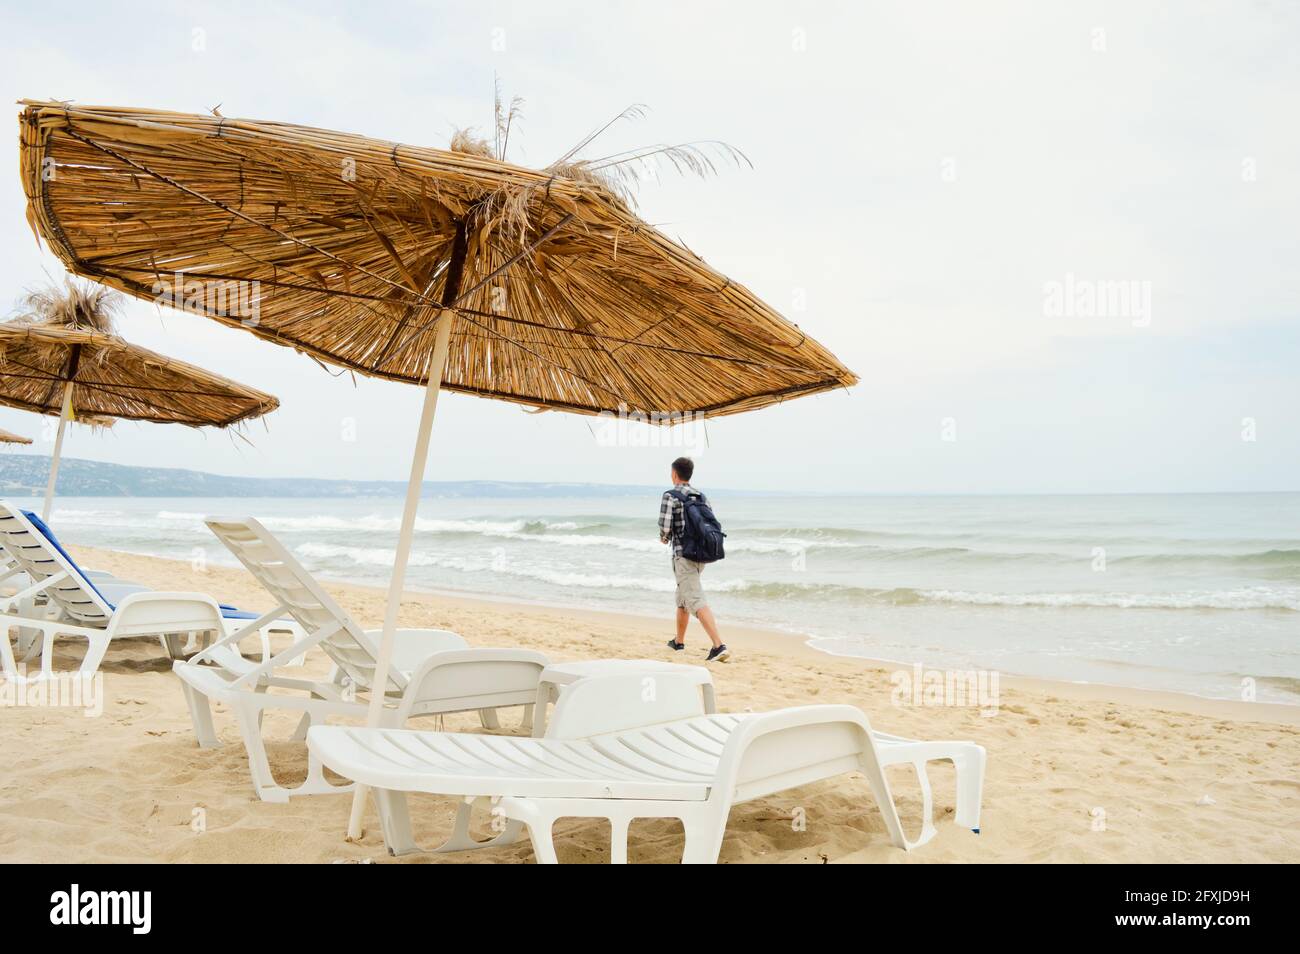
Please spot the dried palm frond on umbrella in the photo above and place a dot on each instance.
(448, 268)
(9, 437)
(62, 357)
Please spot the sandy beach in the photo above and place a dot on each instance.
(1075, 773)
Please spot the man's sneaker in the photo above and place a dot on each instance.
(674, 644)
(719, 653)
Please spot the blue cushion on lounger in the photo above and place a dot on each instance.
(229, 612)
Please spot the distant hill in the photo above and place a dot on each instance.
(24, 475)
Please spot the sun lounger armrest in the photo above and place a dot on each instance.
(601, 705)
(412, 646)
(459, 680)
(790, 747)
(149, 614)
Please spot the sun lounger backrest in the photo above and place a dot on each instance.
(302, 597)
(600, 705)
(37, 552)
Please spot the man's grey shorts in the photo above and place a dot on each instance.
(690, 592)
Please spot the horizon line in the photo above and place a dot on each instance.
(634, 487)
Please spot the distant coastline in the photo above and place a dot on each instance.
(24, 475)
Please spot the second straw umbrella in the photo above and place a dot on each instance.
(62, 357)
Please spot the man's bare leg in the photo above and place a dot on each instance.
(683, 618)
(705, 616)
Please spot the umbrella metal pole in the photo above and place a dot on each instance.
(379, 682)
(64, 414)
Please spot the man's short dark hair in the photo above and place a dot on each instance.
(684, 467)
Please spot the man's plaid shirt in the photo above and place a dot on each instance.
(671, 519)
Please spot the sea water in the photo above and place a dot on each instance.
(1192, 593)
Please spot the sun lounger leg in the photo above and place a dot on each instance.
(513, 831)
(29, 642)
(704, 833)
(201, 716)
(10, 666)
(47, 654)
(248, 711)
(527, 724)
(530, 813)
(545, 696)
(261, 689)
(29, 637)
(489, 718)
(927, 802)
(461, 839)
(540, 834)
(95, 649)
(316, 782)
(885, 802)
(259, 766)
(969, 761)
(395, 821)
(300, 733)
(618, 826)
(970, 786)
(182, 645)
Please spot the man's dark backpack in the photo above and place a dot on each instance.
(701, 533)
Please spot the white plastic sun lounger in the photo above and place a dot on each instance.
(609, 753)
(13, 582)
(432, 672)
(96, 610)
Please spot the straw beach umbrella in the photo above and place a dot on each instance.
(446, 268)
(63, 358)
(9, 437)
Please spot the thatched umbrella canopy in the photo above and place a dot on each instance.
(563, 297)
(9, 437)
(116, 380)
(62, 357)
(453, 268)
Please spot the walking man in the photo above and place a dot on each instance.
(700, 536)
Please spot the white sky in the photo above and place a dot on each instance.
(921, 170)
